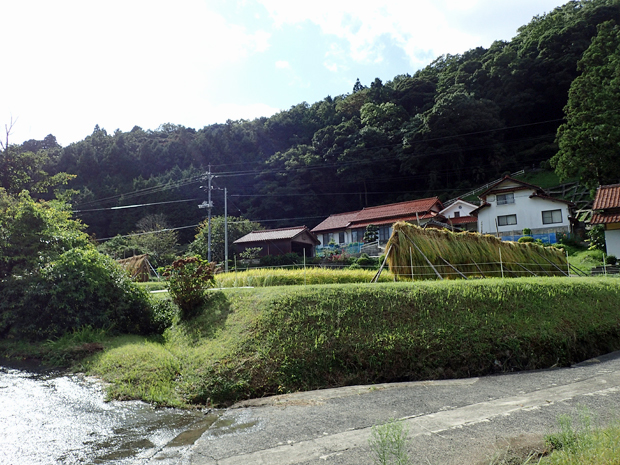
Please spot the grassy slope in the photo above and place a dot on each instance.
(256, 342)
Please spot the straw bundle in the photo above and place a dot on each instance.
(455, 255)
(137, 267)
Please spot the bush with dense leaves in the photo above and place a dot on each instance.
(188, 278)
(80, 288)
(281, 260)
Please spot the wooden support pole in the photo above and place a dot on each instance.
(452, 266)
(556, 267)
(425, 257)
(479, 270)
(376, 278)
(529, 271)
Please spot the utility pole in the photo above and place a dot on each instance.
(208, 205)
(226, 230)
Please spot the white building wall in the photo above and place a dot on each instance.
(612, 242)
(528, 211)
(464, 209)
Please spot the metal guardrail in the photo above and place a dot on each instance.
(480, 189)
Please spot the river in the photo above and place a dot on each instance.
(47, 417)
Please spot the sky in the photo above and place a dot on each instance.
(70, 65)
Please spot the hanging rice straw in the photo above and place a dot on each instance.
(418, 252)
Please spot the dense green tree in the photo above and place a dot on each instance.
(21, 170)
(589, 141)
(155, 237)
(237, 228)
(458, 134)
(34, 233)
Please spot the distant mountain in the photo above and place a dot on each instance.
(460, 122)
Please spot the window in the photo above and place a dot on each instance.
(357, 235)
(503, 199)
(506, 220)
(552, 216)
(384, 233)
(341, 237)
(457, 214)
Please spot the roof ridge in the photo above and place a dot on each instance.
(400, 203)
(278, 229)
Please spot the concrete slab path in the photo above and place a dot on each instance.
(464, 421)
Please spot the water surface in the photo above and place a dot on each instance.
(49, 417)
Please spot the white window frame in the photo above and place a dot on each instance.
(554, 219)
(505, 219)
(505, 199)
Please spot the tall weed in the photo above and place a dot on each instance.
(388, 443)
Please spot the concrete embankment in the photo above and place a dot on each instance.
(462, 421)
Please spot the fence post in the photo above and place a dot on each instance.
(411, 261)
(304, 266)
(501, 264)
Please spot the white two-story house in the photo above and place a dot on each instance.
(510, 205)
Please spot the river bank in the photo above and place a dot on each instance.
(251, 343)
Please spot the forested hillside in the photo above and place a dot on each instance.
(460, 122)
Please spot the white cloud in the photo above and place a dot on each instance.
(423, 29)
(283, 64)
(74, 64)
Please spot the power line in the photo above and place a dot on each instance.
(197, 225)
(122, 207)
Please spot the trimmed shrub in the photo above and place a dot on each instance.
(611, 260)
(365, 261)
(523, 239)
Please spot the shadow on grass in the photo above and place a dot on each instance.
(210, 320)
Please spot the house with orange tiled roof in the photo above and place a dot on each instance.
(607, 212)
(297, 239)
(349, 227)
(510, 205)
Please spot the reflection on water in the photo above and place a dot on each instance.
(47, 418)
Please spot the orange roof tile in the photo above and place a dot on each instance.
(605, 218)
(382, 214)
(607, 197)
(396, 210)
(409, 218)
(463, 220)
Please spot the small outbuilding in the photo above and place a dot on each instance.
(607, 212)
(138, 267)
(281, 241)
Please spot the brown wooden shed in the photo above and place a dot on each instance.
(280, 241)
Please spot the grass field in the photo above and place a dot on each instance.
(262, 341)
